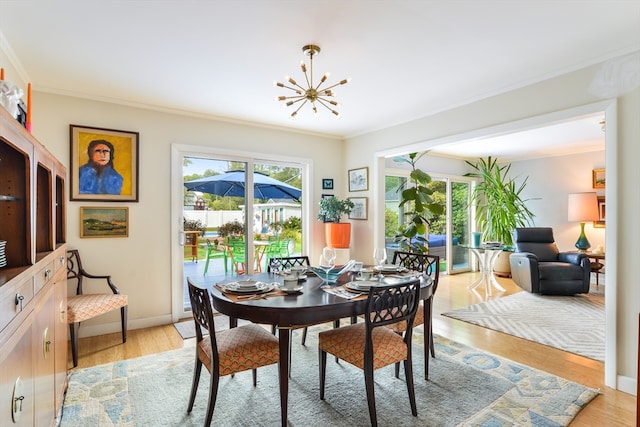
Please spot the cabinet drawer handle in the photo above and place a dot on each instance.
(47, 274)
(61, 259)
(18, 398)
(19, 301)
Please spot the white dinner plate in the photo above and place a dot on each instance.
(247, 284)
(236, 287)
(362, 285)
(290, 291)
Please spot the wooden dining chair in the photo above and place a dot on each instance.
(84, 306)
(429, 265)
(369, 345)
(278, 264)
(225, 352)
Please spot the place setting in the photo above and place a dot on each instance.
(249, 289)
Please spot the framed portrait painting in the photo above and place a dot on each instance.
(359, 179)
(104, 164)
(104, 222)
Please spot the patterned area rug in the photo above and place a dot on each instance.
(466, 387)
(574, 324)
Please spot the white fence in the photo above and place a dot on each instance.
(214, 218)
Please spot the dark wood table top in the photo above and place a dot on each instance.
(311, 305)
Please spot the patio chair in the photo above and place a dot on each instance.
(429, 265)
(83, 306)
(215, 251)
(238, 254)
(370, 345)
(277, 249)
(225, 352)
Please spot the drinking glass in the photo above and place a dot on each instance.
(326, 263)
(380, 256)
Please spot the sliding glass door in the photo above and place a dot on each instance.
(447, 231)
(231, 210)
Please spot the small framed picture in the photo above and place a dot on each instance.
(324, 196)
(359, 210)
(598, 178)
(104, 222)
(600, 223)
(359, 179)
(104, 164)
(327, 183)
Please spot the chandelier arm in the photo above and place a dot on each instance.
(299, 107)
(341, 82)
(322, 102)
(296, 100)
(290, 88)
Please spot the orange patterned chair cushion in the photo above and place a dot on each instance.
(88, 306)
(402, 326)
(242, 348)
(347, 343)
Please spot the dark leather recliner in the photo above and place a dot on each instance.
(538, 267)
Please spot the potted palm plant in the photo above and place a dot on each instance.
(337, 234)
(500, 207)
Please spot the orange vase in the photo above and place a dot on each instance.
(337, 234)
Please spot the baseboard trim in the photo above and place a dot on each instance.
(114, 327)
(628, 385)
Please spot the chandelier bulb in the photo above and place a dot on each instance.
(303, 66)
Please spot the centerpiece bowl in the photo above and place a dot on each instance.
(334, 273)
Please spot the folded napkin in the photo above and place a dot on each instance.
(344, 293)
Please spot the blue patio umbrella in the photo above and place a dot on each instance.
(231, 183)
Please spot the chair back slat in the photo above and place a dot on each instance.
(392, 303)
(74, 269)
(202, 313)
(429, 265)
(283, 263)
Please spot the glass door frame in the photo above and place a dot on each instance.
(178, 153)
(448, 179)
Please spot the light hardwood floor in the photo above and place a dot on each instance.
(611, 408)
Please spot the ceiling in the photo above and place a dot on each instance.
(406, 58)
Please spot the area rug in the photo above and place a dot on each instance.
(574, 323)
(466, 387)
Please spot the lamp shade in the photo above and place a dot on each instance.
(583, 207)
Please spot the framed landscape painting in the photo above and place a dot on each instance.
(359, 179)
(103, 164)
(359, 210)
(598, 178)
(104, 222)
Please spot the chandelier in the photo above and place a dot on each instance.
(313, 94)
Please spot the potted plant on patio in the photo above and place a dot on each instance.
(500, 207)
(337, 234)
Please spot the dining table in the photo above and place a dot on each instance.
(311, 305)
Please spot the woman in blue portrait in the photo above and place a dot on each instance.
(98, 176)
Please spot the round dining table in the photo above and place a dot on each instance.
(312, 305)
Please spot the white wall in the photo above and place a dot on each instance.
(550, 181)
(141, 263)
(570, 91)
